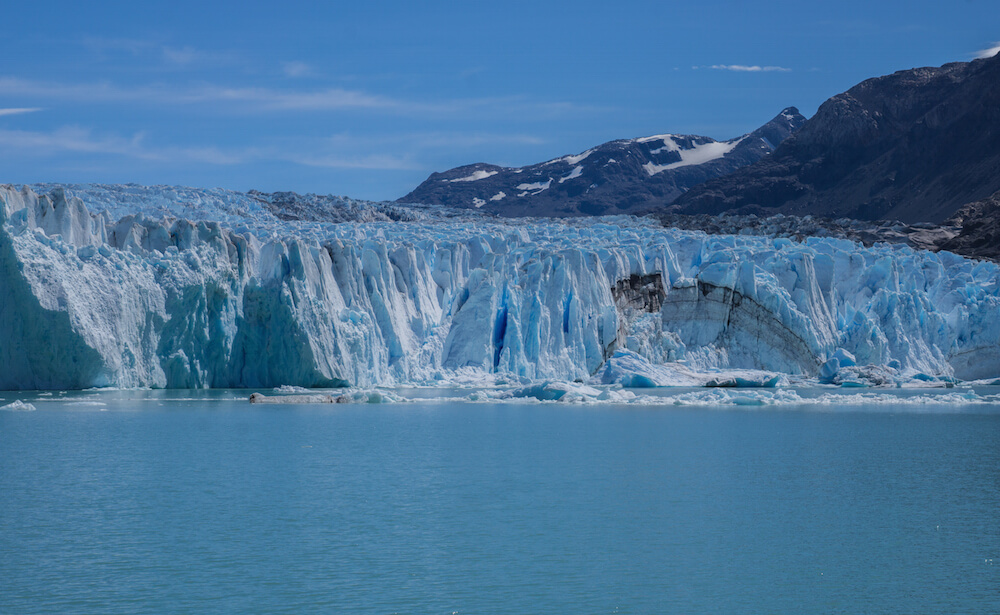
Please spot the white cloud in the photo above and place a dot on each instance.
(71, 139)
(375, 161)
(743, 68)
(454, 140)
(396, 152)
(259, 99)
(990, 52)
(76, 140)
(331, 99)
(263, 98)
(19, 110)
(296, 69)
(161, 54)
(182, 56)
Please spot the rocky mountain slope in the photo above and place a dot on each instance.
(624, 176)
(914, 146)
(980, 230)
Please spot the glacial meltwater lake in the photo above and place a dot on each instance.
(199, 502)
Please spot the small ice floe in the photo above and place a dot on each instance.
(745, 379)
(358, 396)
(986, 382)
(631, 370)
(722, 397)
(288, 388)
(841, 369)
(566, 392)
(18, 406)
(260, 398)
(785, 397)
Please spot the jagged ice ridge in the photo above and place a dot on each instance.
(233, 295)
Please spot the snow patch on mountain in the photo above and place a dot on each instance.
(475, 176)
(534, 188)
(576, 172)
(698, 154)
(572, 160)
(666, 138)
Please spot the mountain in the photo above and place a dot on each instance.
(624, 176)
(913, 146)
(980, 230)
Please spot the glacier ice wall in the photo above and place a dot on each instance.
(95, 293)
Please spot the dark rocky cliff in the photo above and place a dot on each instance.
(914, 146)
(980, 230)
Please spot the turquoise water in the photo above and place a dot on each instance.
(203, 503)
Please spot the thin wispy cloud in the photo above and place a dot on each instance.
(423, 141)
(396, 152)
(297, 69)
(261, 99)
(471, 72)
(464, 140)
(331, 99)
(76, 140)
(165, 55)
(990, 52)
(183, 56)
(746, 68)
(19, 110)
(254, 98)
(307, 152)
(72, 139)
(370, 162)
(246, 98)
(89, 92)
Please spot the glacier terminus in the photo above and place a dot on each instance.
(131, 286)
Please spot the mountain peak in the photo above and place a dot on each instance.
(914, 146)
(621, 176)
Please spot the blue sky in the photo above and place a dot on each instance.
(366, 99)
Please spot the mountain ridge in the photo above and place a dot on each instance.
(915, 145)
(624, 176)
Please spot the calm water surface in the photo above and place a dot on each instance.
(156, 503)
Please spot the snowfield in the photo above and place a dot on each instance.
(700, 153)
(130, 286)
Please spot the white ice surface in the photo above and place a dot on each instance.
(109, 286)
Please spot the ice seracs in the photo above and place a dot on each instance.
(241, 297)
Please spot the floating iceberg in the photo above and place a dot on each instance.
(18, 406)
(128, 286)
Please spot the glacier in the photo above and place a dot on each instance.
(164, 287)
